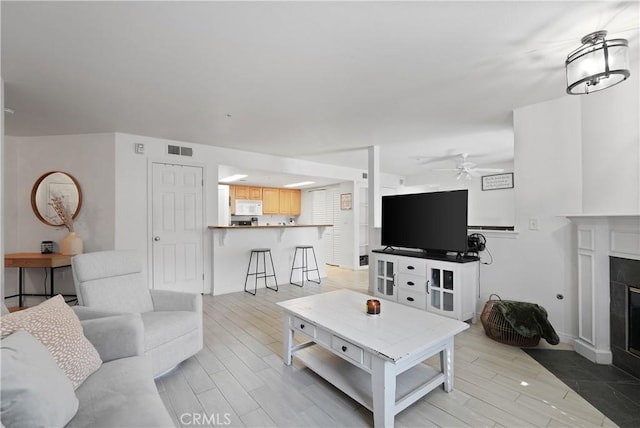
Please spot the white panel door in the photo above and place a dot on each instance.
(177, 228)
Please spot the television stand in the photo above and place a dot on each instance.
(445, 284)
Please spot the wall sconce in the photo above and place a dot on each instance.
(597, 64)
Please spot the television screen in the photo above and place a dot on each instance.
(435, 221)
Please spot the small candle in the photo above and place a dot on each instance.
(373, 307)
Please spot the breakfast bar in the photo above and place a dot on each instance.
(232, 246)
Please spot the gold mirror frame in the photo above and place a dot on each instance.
(55, 183)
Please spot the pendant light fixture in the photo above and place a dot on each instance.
(597, 64)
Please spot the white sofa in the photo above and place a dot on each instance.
(120, 393)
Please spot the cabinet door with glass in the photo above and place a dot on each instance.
(442, 288)
(386, 272)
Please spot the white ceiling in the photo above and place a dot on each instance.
(315, 80)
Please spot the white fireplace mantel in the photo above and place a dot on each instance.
(598, 237)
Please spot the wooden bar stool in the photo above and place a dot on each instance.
(260, 274)
(304, 266)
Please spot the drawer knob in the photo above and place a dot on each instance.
(411, 299)
(410, 283)
(301, 326)
(410, 267)
(344, 348)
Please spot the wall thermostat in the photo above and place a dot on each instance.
(139, 148)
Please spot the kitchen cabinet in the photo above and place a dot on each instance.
(270, 200)
(289, 201)
(274, 200)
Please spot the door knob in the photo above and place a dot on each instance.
(157, 238)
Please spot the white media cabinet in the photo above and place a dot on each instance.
(444, 285)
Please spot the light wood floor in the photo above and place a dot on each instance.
(239, 378)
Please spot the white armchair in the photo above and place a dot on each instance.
(112, 282)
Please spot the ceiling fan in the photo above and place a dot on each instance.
(468, 170)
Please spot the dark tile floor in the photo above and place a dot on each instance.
(612, 391)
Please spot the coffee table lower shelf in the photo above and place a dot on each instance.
(356, 382)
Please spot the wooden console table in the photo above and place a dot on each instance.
(21, 261)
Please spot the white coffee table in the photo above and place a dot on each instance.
(376, 360)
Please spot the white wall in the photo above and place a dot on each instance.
(131, 182)
(486, 208)
(573, 155)
(548, 164)
(611, 154)
(88, 158)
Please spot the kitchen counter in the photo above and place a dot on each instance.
(271, 226)
(231, 252)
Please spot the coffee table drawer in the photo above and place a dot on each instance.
(304, 327)
(347, 349)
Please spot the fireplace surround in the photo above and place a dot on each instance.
(625, 313)
(598, 239)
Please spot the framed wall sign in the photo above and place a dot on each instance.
(497, 181)
(345, 201)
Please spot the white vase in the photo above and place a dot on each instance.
(71, 244)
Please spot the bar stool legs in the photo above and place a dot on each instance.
(304, 267)
(260, 274)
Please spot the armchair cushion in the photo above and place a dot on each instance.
(165, 326)
(111, 281)
(165, 300)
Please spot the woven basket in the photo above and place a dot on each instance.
(498, 328)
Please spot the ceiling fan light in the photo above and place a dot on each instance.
(597, 64)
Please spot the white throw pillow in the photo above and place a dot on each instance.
(34, 391)
(58, 328)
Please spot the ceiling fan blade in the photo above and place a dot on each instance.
(488, 169)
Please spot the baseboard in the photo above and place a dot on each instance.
(598, 356)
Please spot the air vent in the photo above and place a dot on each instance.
(177, 150)
(365, 175)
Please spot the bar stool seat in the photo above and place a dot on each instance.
(304, 265)
(261, 274)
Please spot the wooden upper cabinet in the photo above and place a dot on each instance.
(253, 193)
(270, 200)
(285, 201)
(290, 201)
(295, 202)
(274, 200)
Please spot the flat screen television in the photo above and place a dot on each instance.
(435, 222)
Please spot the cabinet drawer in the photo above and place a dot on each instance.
(304, 327)
(347, 349)
(415, 299)
(412, 266)
(412, 282)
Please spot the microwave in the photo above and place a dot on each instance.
(248, 207)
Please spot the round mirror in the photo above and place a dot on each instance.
(55, 184)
